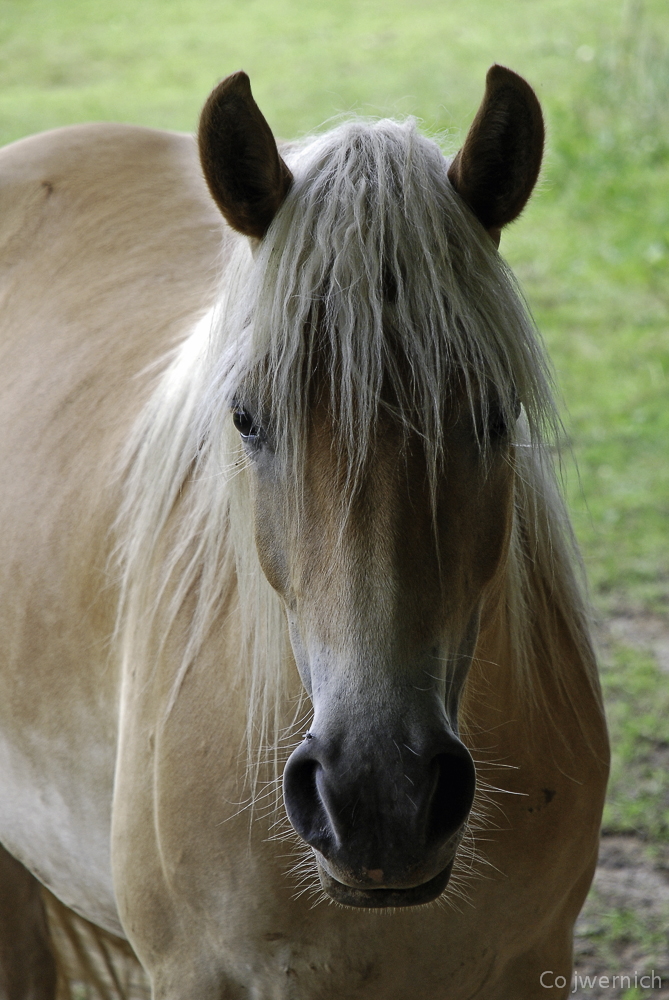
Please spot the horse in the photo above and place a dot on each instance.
(298, 694)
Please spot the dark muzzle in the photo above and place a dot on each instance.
(385, 822)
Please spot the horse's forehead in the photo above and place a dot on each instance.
(377, 467)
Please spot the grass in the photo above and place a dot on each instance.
(592, 250)
(638, 708)
(596, 266)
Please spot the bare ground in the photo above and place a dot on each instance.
(624, 926)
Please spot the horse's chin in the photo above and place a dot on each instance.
(382, 898)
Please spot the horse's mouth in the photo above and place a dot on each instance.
(382, 898)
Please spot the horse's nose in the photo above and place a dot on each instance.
(367, 814)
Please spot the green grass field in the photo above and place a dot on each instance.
(592, 250)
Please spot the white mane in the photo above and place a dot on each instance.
(374, 264)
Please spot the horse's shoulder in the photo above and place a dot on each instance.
(124, 182)
(109, 253)
(102, 154)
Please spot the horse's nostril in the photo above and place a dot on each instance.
(455, 784)
(303, 802)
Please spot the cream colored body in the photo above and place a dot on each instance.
(87, 304)
(110, 247)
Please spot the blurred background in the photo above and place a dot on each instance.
(591, 251)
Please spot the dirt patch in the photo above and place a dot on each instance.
(623, 929)
(645, 631)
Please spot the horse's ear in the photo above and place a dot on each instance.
(247, 178)
(497, 168)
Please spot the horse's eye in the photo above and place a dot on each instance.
(500, 421)
(497, 423)
(246, 425)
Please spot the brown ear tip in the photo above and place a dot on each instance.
(496, 69)
(239, 78)
(238, 83)
(498, 75)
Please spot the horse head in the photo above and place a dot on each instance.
(379, 453)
